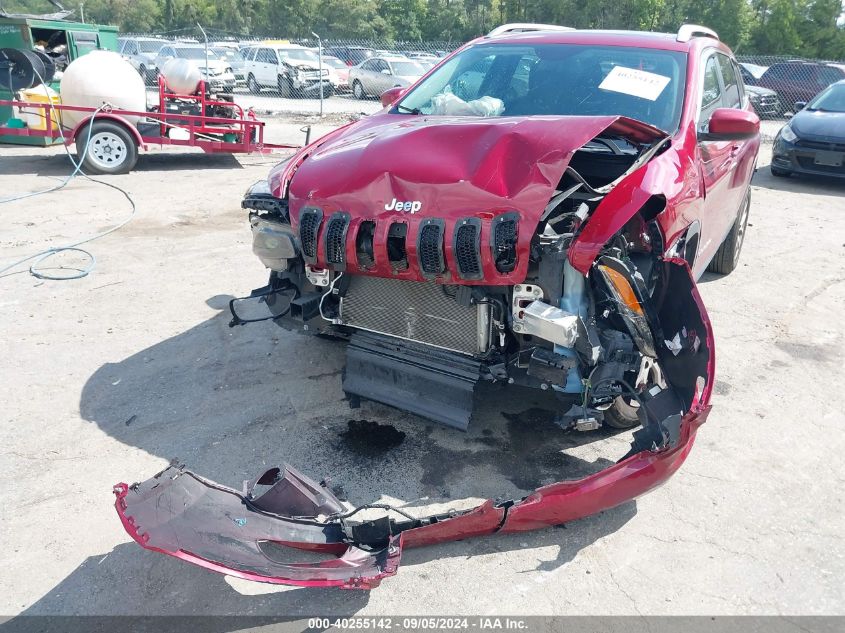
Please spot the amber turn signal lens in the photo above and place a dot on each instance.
(624, 291)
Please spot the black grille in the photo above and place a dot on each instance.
(336, 229)
(430, 248)
(810, 164)
(822, 145)
(309, 226)
(504, 242)
(467, 252)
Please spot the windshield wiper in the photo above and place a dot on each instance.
(402, 108)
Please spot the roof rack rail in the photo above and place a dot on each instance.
(689, 31)
(524, 27)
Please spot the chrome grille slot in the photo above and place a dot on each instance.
(467, 250)
(430, 248)
(309, 227)
(336, 229)
(418, 311)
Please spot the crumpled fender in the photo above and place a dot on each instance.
(184, 515)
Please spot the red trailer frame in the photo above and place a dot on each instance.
(205, 132)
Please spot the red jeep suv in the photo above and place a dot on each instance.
(511, 218)
(533, 211)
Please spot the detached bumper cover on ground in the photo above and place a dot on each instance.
(247, 535)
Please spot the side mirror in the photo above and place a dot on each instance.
(386, 71)
(731, 124)
(799, 105)
(391, 95)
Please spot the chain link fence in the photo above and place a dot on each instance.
(288, 75)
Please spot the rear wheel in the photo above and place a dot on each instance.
(358, 90)
(727, 257)
(252, 85)
(108, 148)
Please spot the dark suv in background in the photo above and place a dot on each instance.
(799, 80)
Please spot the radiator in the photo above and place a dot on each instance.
(417, 311)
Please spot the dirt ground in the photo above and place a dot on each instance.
(107, 378)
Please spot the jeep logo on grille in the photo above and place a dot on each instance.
(408, 206)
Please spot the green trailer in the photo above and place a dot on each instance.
(26, 32)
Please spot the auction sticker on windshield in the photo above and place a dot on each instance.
(638, 83)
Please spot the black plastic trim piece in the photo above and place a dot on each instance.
(336, 244)
(310, 220)
(429, 225)
(474, 269)
(498, 224)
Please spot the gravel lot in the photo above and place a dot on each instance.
(105, 379)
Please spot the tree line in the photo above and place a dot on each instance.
(807, 28)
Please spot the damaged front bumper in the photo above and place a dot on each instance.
(249, 535)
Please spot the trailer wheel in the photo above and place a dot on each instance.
(111, 148)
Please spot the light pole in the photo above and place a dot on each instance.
(205, 39)
(320, 68)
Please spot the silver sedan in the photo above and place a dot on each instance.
(377, 74)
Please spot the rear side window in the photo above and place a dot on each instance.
(828, 75)
(733, 94)
(778, 71)
(712, 92)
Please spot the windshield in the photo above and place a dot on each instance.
(407, 69)
(148, 46)
(195, 53)
(299, 54)
(831, 99)
(556, 79)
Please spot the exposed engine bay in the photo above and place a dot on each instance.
(586, 339)
(575, 296)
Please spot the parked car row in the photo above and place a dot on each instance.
(788, 82)
(291, 69)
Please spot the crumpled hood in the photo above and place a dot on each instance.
(448, 168)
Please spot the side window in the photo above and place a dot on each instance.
(711, 94)
(369, 65)
(381, 65)
(166, 52)
(733, 96)
(775, 72)
(828, 75)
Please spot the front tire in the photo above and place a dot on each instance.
(622, 414)
(111, 148)
(285, 86)
(358, 90)
(727, 257)
(252, 85)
